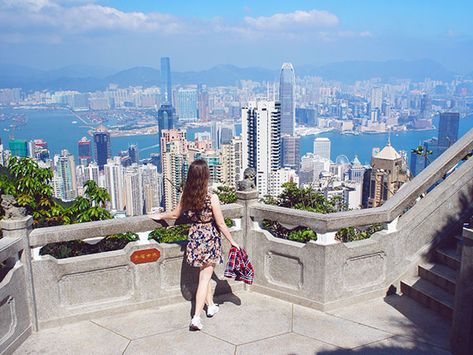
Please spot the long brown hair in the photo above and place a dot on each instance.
(195, 190)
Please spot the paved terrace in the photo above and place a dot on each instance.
(251, 323)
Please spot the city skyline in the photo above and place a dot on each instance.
(123, 34)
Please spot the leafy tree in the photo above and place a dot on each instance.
(29, 184)
(91, 206)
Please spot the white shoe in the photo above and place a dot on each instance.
(212, 310)
(196, 324)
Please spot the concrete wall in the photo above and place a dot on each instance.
(87, 286)
(15, 319)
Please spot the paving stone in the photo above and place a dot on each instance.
(180, 342)
(78, 338)
(256, 318)
(333, 330)
(285, 344)
(400, 315)
(142, 323)
(399, 345)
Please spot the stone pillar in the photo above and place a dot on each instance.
(21, 228)
(246, 199)
(461, 339)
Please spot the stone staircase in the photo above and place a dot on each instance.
(434, 285)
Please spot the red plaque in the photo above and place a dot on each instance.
(145, 256)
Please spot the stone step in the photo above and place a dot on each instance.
(440, 275)
(449, 257)
(429, 295)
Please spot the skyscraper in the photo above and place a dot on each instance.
(65, 176)
(18, 147)
(448, 129)
(102, 146)
(166, 121)
(290, 152)
(174, 165)
(133, 153)
(166, 84)
(85, 150)
(134, 191)
(114, 183)
(322, 147)
(287, 98)
(261, 135)
(152, 187)
(186, 104)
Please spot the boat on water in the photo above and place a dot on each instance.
(350, 133)
(74, 122)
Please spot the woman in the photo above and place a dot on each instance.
(204, 249)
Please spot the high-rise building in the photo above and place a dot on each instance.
(18, 147)
(174, 162)
(65, 171)
(166, 120)
(376, 98)
(85, 150)
(186, 104)
(114, 183)
(387, 175)
(261, 135)
(102, 146)
(290, 152)
(356, 171)
(232, 168)
(133, 191)
(322, 147)
(38, 149)
(448, 129)
(134, 153)
(280, 177)
(166, 84)
(202, 102)
(287, 84)
(152, 187)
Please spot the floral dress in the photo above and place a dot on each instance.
(205, 243)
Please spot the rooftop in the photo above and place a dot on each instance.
(251, 323)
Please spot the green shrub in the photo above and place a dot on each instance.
(351, 234)
(226, 194)
(73, 248)
(298, 234)
(172, 234)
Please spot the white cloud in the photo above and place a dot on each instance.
(297, 20)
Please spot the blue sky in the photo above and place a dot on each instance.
(199, 34)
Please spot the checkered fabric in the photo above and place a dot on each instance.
(239, 266)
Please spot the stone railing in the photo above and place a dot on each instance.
(324, 274)
(83, 286)
(15, 298)
(327, 274)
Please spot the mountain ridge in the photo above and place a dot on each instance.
(91, 78)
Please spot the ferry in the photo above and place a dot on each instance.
(74, 122)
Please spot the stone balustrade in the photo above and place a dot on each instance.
(324, 274)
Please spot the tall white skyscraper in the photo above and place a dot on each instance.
(376, 98)
(133, 191)
(65, 171)
(287, 83)
(232, 168)
(322, 147)
(114, 183)
(152, 187)
(261, 135)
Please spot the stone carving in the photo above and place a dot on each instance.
(248, 182)
(11, 210)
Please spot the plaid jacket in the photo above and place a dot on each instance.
(238, 266)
